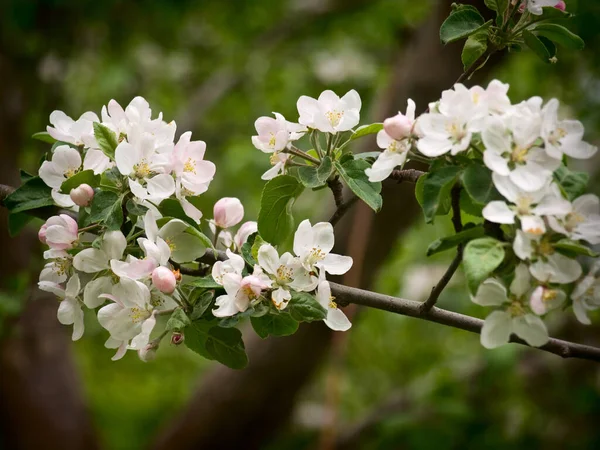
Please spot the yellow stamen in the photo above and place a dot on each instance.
(334, 117)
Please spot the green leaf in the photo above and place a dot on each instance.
(477, 181)
(460, 24)
(312, 177)
(468, 206)
(25, 176)
(106, 138)
(32, 194)
(107, 208)
(275, 220)
(436, 189)
(17, 221)
(559, 34)
(135, 209)
(256, 245)
(475, 47)
(497, 5)
(274, 324)
(201, 301)
(481, 257)
(353, 173)
(222, 344)
(572, 248)
(304, 307)
(367, 155)
(44, 137)
(206, 282)
(538, 47)
(178, 321)
(448, 242)
(85, 176)
(572, 184)
(366, 130)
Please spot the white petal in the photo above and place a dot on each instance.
(490, 293)
(93, 289)
(161, 186)
(96, 160)
(337, 320)
(522, 281)
(531, 329)
(303, 238)
(268, 258)
(91, 260)
(113, 244)
(498, 212)
(323, 236)
(496, 329)
(336, 264)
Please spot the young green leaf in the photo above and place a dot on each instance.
(477, 181)
(201, 301)
(85, 176)
(274, 324)
(107, 208)
(480, 258)
(572, 248)
(436, 189)
(135, 209)
(572, 184)
(32, 194)
(475, 47)
(559, 34)
(366, 130)
(222, 344)
(460, 24)
(106, 139)
(304, 307)
(448, 242)
(353, 173)
(206, 282)
(313, 177)
(497, 5)
(178, 321)
(537, 45)
(17, 221)
(275, 220)
(44, 137)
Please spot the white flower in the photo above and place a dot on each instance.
(513, 153)
(544, 299)
(188, 208)
(564, 136)
(56, 271)
(129, 316)
(92, 260)
(278, 161)
(583, 222)
(69, 309)
(275, 134)
(235, 264)
(94, 289)
(189, 165)
(535, 6)
(244, 232)
(529, 207)
(336, 319)
(313, 244)
(442, 134)
(500, 324)
(287, 273)
(329, 113)
(586, 296)
(395, 151)
(60, 232)
(240, 292)
(548, 265)
(80, 132)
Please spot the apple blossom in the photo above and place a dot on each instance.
(336, 319)
(583, 222)
(79, 132)
(278, 161)
(544, 299)
(234, 264)
(244, 232)
(514, 317)
(69, 310)
(65, 162)
(60, 232)
(329, 113)
(92, 260)
(313, 244)
(275, 134)
(536, 6)
(228, 212)
(240, 291)
(188, 164)
(586, 295)
(82, 195)
(164, 280)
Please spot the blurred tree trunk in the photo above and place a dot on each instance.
(41, 406)
(245, 409)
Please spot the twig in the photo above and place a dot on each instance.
(457, 223)
(341, 210)
(410, 175)
(337, 188)
(301, 154)
(346, 295)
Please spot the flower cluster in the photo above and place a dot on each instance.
(523, 146)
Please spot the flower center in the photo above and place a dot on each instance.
(315, 255)
(557, 135)
(247, 289)
(334, 116)
(524, 203)
(516, 309)
(138, 314)
(190, 166)
(549, 295)
(573, 219)
(456, 131)
(284, 274)
(70, 172)
(274, 158)
(62, 266)
(332, 303)
(545, 248)
(272, 139)
(519, 155)
(171, 244)
(142, 169)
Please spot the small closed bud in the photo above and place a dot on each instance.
(177, 338)
(164, 280)
(398, 127)
(148, 353)
(42, 233)
(561, 5)
(228, 212)
(82, 195)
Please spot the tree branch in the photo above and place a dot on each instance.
(410, 175)
(337, 188)
(347, 295)
(457, 223)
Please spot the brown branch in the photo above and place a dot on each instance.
(347, 295)
(337, 188)
(341, 210)
(410, 175)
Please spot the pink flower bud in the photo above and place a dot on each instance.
(522, 7)
(228, 212)
(398, 127)
(148, 353)
(177, 338)
(59, 232)
(561, 5)
(164, 280)
(82, 195)
(42, 233)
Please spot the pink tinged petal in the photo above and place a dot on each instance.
(531, 329)
(132, 291)
(161, 186)
(490, 293)
(91, 260)
(52, 287)
(93, 290)
(135, 270)
(190, 210)
(244, 233)
(533, 225)
(337, 320)
(96, 160)
(496, 329)
(336, 264)
(498, 212)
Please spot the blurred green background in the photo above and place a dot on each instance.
(215, 66)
